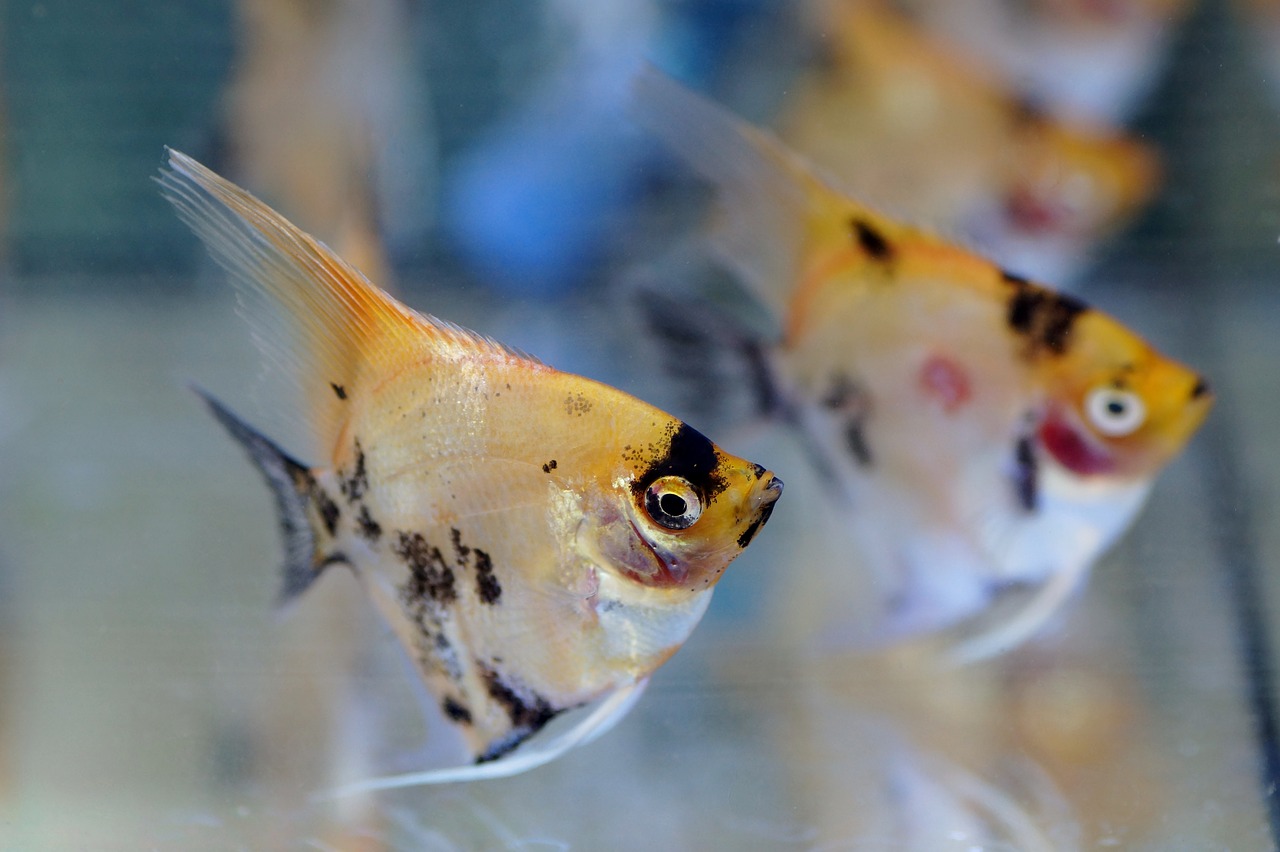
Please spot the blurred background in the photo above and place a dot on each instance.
(473, 157)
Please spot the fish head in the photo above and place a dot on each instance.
(1074, 180)
(681, 509)
(1120, 407)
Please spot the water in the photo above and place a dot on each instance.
(151, 698)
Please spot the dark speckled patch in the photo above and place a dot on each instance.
(460, 550)
(848, 398)
(528, 714)
(487, 585)
(690, 455)
(456, 710)
(325, 505)
(338, 390)
(370, 529)
(549, 466)
(1042, 316)
(576, 405)
(429, 576)
(1026, 474)
(356, 485)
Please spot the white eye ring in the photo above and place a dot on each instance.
(673, 502)
(1115, 412)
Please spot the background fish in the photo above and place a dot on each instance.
(1097, 59)
(536, 540)
(908, 120)
(987, 434)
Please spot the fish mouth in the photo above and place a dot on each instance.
(669, 571)
(1033, 214)
(763, 502)
(1073, 450)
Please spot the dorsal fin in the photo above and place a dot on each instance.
(771, 202)
(342, 324)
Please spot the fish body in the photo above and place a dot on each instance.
(908, 121)
(987, 434)
(1098, 59)
(536, 540)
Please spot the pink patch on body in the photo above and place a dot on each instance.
(1033, 215)
(1071, 450)
(946, 381)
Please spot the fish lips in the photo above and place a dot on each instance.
(764, 500)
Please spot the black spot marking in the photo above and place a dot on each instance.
(1044, 317)
(575, 404)
(750, 532)
(1026, 474)
(527, 714)
(849, 399)
(337, 557)
(456, 711)
(1201, 388)
(871, 241)
(549, 466)
(339, 390)
(487, 585)
(460, 550)
(355, 486)
(367, 526)
(447, 657)
(690, 455)
(855, 438)
(1013, 278)
(429, 576)
(325, 505)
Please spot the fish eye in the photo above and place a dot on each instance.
(1115, 412)
(673, 502)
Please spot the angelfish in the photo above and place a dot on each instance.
(986, 434)
(537, 541)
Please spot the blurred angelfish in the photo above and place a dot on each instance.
(988, 434)
(908, 121)
(537, 541)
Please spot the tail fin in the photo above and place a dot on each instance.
(299, 499)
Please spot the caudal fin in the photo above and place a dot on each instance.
(300, 501)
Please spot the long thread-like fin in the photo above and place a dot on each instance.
(1026, 622)
(536, 753)
(342, 325)
(294, 490)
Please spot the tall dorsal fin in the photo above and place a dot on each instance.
(341, 325)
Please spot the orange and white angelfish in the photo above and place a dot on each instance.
(536, 540)
(990, 436)
(907, 120)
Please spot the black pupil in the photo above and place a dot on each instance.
(1116, 407)
(673, 504)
